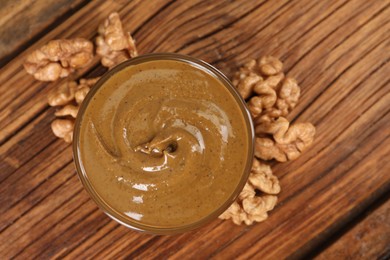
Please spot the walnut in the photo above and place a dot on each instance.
(246, 85)
(236, 213)
(288, 95)
(264, 67)
(284, 133)
(63, 128)
(246, 78)
(285, 141)
(63, 94)
(261, 178)
(265, 99)
(267, 115)
(58, 58)
(257, 207)
(82, 90)
(246, 70)
(68, 110)
(247, 192)
(266, 149)
(81, 93)
(264, 85)
(270, 65)
(113, 44)
(273, 81)
(249, 207)
(88, 82)
(248, 81)
(69, 91)
(255, 106)
(70, 96)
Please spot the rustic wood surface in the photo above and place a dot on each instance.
(374, 229)
(335, 197)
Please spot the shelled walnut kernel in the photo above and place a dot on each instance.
(250, 206)
(59, 58)
(68, 97)
(113, 44)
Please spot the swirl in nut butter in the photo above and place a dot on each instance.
(164, 143)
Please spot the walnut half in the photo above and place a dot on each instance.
(63, 128)
(282, 141)
(113, 44)
(250, 206)
(58, 58)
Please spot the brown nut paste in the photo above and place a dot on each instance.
(163, 143)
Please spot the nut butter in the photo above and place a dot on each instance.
(163, 143)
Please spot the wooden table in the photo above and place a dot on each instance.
(335, 198)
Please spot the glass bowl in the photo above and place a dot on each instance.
(120, 217)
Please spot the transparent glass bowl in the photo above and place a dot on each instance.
(110, 211)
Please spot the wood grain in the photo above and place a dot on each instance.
(369, 239)
(338, 50)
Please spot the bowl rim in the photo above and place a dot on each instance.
(119, 217)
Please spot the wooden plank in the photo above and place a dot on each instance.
(23, 191)
(26, 144)
(369, 239)
(19, 234)
(339, 52)
(22, 21)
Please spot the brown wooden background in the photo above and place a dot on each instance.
(335, 198)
